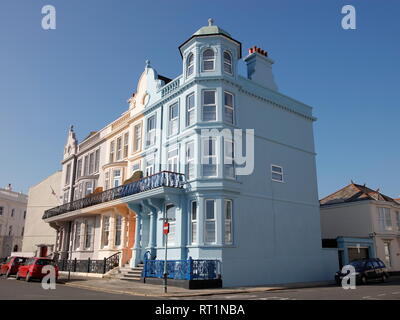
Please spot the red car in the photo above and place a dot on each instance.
(10, 267)
(32, 269)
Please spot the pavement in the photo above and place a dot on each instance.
(137, 288)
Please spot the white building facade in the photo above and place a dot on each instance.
(12, 219)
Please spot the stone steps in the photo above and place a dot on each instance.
(131, 274)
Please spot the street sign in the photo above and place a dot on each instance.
(166, 228)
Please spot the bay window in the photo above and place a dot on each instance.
(210, 230)
(190, 110)
(227, 62)
(208, 60)
(229, 169)
(209, 158)
(228, 108)
(228, 221)
(193, 222)
(209, 109)
(190, 168)
(190, 65)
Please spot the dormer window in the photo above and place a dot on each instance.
(190, 65)
(227, 62)
(208, 60)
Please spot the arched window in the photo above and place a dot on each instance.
(208, 60)
(227, 62)
(190, 65)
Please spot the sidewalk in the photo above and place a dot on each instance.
(141, 289)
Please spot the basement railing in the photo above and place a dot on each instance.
(161, 179)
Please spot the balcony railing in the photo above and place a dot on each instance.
(161, 179)
(183, 269)
(170, 87)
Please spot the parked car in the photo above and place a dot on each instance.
(11, 265)
(366, 270)
(32, 268)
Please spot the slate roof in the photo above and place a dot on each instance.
(355, 192)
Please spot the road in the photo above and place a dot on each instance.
(21, 290)
(11, 289)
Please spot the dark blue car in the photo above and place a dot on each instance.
(366, 270)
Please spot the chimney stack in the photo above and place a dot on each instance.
(259, 68)
(9, 187)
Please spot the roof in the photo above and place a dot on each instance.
(355, 192)
(92, 133)
(212, 30)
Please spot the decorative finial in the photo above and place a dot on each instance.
(210, 21)
(147, 63)
(71, 128)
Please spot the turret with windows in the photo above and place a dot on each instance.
(210, 51)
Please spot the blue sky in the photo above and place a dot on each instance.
(83, 72)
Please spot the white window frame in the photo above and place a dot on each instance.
(172, 225)
(231, 158)
(387, 252)
(89, 236)
(107, 180)
(118, 230)
(116, 179)
(207, 157)
(136, 164)
(274, 171)
(204, 105)
(150, 167)
(112, 152)
(118, 149)
(190, 169)
(208, 222)
(151, 132)
(229, 108)
(96, 161)
(173, 159)
(78, 235)
(137, 143)
(193, 221)
(173, 122)
(190, 65)
(228, 222)
(207, 60)
(91, 163)
(88, 187)
(385, 219)
(79, 168)
(105, 231)
(190, 110)
(230, 64)
(126, 145)
(68, 174)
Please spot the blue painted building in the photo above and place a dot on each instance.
(263, 226)
(259, 214)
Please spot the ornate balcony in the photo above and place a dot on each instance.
(161, 179)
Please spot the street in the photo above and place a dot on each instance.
(21, 290)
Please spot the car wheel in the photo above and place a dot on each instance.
(384, 278)
(28, 277)
(364, 280)
(17, 277)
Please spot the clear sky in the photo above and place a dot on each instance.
(83, 72)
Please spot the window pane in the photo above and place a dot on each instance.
(210, 214)
(210, 231)
(208, 54)
(209, 97)
(228, 99)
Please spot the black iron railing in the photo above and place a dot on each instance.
(89, 265)
(161, 179)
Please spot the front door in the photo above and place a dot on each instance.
(43, 251)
